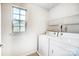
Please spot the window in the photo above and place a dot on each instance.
(18, 22)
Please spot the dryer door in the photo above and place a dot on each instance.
(43, 45)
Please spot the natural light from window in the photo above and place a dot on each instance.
(18, 22)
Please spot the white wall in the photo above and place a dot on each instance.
(0, 28)
(0, 21)
(36, 23)
(64, 10)
(6, 29)
(23, 43)
(65, 13)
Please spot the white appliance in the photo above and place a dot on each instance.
(62, 45)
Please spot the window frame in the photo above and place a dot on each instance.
(19, 20)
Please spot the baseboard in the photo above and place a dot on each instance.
(39, 53)
(28, 53)
(31, 52)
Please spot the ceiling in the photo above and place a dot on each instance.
(47, 6)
